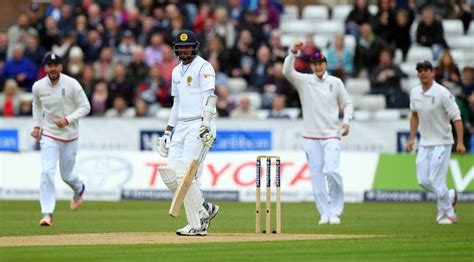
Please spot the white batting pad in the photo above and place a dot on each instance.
(168, 176)
(193, 199)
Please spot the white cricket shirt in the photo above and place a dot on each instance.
(435, 108)
(189, 83)
(320, 100)
(64, 100)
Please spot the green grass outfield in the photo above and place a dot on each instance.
(406, 232)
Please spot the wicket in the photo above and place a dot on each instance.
(268, 194)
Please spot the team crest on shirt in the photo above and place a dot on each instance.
(63, 92)
(433, 100)
(189, 80)
(331, 88)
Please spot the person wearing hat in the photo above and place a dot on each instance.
(59, 102)
(320, 95)
(432, 109)
(192, 116)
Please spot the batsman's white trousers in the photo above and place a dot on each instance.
(323, 160)
(51, 151)
(185, 143)
(432, 163)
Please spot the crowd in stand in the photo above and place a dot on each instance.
(123, 57)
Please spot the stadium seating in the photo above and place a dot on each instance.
(340, 12)
(452, 27)
(418, 53)
(409, 83)
(328, 28)
(296, 27)
(357, 86)
(254, 98)
(290, 11)
(237, 85)
(315, 13)
(409, 69)
(369, 102)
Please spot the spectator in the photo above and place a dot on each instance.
(36, 18)
(148, 30)
(358, 16)
(259, 72)
(93, 47)
(340, 59)
(169, 62)
(75, 63)
(20, 68)
(226, 103)
(94, 17)
(215, 51)
(120, 108)
(177, 21)
(208, 32)
(242, 56)
(278, 106)
(121, 86)
(26, 104)
(224, 28)
(51, 35)
(18, 34)
(244, 111)
(155, 89)
(65, 43)
(54, 9)
(161, 20)
(221, 77)
(467, 81)
(134, 22)
(3, 47)
(402, 35)
(142, 108)
(367, 51)
(67, 22)
(268, 15)
(461, 10)
(10, 99)
(34, 51)
(385, 80)
(250, 23)
(447, 73)
(104, 67)
(87, 80)
(205, 12)
(81, 30)
(278, 51)
(99, 99)
(111, 35)
(430, 33)
(117, 10)
(279, 85)
(384, 20)
(123, 53)
(154, 52)
(137, 70)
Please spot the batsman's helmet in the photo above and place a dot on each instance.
(186, 38)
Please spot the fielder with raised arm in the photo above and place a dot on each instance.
(321, 96)
(432, 108)
(193, 82)
(59, 102)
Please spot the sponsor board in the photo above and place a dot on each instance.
(9, 140)
(410, 196)
(135, 175)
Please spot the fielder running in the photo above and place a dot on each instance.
(433, 107)
(59, 102)
(193, 81)
(321, 96)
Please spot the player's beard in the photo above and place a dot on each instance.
(53, 76)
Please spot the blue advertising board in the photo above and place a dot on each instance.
(9, 140)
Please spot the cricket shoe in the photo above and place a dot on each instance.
(334, 220)
(77, 199)
(212, 211)
(47, 220)
(448, 220)
(454, 197)
(324, 221)
(188, 230)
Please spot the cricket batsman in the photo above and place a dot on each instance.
(192, 121)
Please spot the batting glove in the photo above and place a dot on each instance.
(164, 144)
(206, 136)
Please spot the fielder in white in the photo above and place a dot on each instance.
(321, 96)
(193, 81)
(433, 107)
(59, 102)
